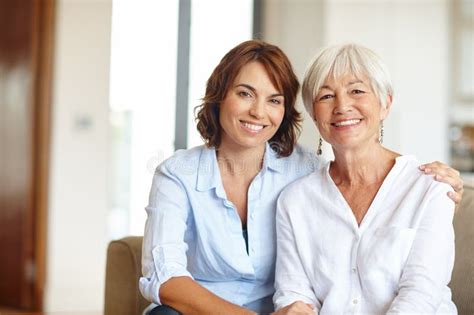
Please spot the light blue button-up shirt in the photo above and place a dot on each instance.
(193, 230)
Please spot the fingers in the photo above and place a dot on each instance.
(455, 182)
(439, 168)
(444, 173)
(456, 197)
(299, 307)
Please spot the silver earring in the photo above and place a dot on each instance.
(320, 146)
(381, 132)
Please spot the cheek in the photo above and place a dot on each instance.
(319, 113)
(280, 115)
(227, 110)
(225, 118)
(277, 115)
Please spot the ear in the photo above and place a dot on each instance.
(385, 110)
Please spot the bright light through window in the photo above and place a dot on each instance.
(216, 27)
(143, 91)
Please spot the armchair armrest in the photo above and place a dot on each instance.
(123, 270)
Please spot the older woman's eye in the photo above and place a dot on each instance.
(325, 97)
(356, 91)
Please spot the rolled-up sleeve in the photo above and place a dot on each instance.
(291, 281)
(428, 268)
(164, 249)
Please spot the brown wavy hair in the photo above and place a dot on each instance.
(281, 74)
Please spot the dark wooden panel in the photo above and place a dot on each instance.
(25, 76)
(16, 78)
(43, 67)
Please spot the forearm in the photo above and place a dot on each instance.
(188, 297)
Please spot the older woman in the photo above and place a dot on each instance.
(209, 243)
(367, 233)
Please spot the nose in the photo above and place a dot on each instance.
(257, 109)
(342, 104)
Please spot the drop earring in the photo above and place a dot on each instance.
(381, 132)
(320, 147)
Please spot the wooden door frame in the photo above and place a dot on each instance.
(43, 53)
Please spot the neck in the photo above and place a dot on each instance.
(240, 161)
(364, 166)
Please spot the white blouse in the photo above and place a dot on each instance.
(399, 260)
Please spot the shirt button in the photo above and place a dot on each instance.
(354, 270)
(252, 250)
(355, 301)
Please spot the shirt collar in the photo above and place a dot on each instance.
(272, 161)
(209, 175)
(208, 172)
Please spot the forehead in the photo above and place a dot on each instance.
(347, 78)
(254, 73)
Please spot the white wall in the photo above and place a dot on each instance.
(411, 37)
(296, 26)
(77, 237)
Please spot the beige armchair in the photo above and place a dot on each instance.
(124, 268)
(121, 280)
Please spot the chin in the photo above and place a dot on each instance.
(252, 143)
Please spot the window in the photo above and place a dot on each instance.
(144, 65)
(142, 104)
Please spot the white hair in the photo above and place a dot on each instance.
(346, 59)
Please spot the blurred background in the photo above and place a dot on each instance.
(94, 94)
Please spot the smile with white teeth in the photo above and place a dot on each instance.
(252, 126)
(347, 123)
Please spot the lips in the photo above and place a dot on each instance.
(252, 126)
(348, 122)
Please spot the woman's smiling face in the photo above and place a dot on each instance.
(347, 112)
(252, 110)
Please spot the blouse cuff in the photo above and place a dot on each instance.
(150, 287)
(169, 262)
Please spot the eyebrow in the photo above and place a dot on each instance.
(350, 83)
(254, 90)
